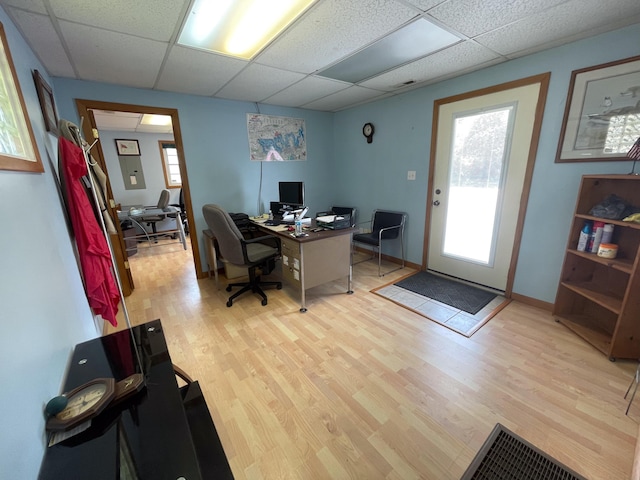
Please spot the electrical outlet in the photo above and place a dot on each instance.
(411, 175)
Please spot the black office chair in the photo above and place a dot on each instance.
(152, 220)
(183, 212)
(385, 226)
(254, 253)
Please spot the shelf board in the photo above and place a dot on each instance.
(621, 264)
(619, 223)
(587, 290)
(587, 328)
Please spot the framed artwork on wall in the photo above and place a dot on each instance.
(127, 147)
(602, 115)
(17, 144)
(47, 103)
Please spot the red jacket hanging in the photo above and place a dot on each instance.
(93, 250)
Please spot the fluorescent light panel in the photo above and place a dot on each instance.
(413, 41)
(238, 28)
(160, 120)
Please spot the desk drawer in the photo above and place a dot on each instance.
(290, 247)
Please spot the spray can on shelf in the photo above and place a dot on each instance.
(585, 234)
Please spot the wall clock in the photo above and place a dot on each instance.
(90, 399)
(83, 403)
(367, 131)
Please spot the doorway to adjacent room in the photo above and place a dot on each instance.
(86, 110)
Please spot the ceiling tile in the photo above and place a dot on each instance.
(197, 72)
(257, 82)
(110, 57)
(306, 91)
(424, 5)
(459, 57)
(552, 26)
(473, 17)
(30, 5)
(153, 19)
(343, 99)
(332, 30)
(43, 39)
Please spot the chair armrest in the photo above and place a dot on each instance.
(387, 228)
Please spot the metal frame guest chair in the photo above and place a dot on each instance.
(255, 253)
(386, 226)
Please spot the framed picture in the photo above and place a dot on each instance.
(17, 144)
(127, 147)
(602, 115)
(47, 103)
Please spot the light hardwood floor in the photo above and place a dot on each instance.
(361, 388)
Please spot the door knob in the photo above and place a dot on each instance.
(436, 203)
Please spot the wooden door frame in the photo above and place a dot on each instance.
(84, 106)
(543, 80)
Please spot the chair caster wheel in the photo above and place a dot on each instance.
(264, 302)
(279, 286)
(229, 303)
(228, 288)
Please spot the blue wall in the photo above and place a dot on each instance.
(376, 174)
(44, 311)
(344, 169)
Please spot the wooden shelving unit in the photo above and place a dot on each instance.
(599, 298)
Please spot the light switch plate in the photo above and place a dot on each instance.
(411, 175)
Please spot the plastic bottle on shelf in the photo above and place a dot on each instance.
(585, 234)
(596, 237)
(607, 233)
(298, 224)
(270, 215)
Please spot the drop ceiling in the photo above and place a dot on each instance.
(133, 43)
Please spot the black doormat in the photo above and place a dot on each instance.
(456, 294)
(506, 456)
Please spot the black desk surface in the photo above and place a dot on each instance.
(147, 436)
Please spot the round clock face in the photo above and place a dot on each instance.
(83, 401)
(367, 130)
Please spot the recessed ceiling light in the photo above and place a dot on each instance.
(239, 28)
(413, 41)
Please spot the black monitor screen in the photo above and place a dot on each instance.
(291, 193)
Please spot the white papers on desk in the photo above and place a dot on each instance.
(329, 218)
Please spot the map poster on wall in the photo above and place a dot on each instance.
(276, 139)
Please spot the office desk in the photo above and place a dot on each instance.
(162, 432)
(318, 258)
(137, 217)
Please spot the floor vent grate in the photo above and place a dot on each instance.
(506, 456)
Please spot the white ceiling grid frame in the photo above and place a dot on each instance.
(343, 99)
(113, 57)
(474, 17)
(333, 29)
(436, 66)
(43, 38)
(160, 18)
(197, 72)
(551, 27)
(257, 82)
(306, 91)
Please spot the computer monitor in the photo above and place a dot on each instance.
(291, 193)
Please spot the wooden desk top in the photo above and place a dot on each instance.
(283, 231)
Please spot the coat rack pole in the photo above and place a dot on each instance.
(96, 202)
